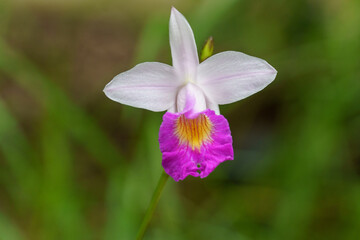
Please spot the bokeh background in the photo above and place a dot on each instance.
(75, 165)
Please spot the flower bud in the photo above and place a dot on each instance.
(207, 50)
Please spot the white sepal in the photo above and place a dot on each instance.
(148, 85)
(183, 47)
(231, 76)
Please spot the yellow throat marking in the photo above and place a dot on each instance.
(193, 132)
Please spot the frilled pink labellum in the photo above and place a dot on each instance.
(194, 146)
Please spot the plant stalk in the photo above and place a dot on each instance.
(151, 209)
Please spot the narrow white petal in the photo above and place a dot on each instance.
(231, 76)
(213, 106)
(148, 85)
(172, 109)
(183, 47)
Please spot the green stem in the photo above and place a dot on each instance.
(151, 209)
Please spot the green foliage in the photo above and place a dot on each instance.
(74, 165)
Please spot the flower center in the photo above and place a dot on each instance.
(190, 97)
(189, 79)
(193, 132)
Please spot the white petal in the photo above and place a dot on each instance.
(191, 98)
(172, 109)
(213, 106)
(148, 85)
(183, 47)
(231, 76)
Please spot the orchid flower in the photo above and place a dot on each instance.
(194, 138)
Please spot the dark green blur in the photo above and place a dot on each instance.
(76, 165)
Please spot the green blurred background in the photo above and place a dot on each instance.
(75, 165)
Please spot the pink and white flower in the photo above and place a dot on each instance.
(194, 138)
